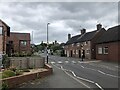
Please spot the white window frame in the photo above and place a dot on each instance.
(1, 30)
(87, 51)
(100, 50)
(76, 51)
(78, 44)
(23, 42)
(104, 50)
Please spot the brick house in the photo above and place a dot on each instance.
(108, 45)
(19, 43)
(4, 34)
(83, 44)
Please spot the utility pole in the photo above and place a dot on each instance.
(47, 41)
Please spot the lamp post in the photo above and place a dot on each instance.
(47, 41)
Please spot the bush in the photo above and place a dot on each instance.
(9, 73)
(4, 75)
(18, 72)
(12, 69)
(4, 86)
(6, 61)
(26, 70)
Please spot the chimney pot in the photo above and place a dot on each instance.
(83, 31)
(69, 36)
(99, 26)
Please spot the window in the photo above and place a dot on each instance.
(65, 52)
(0, 30)
(23, 43)
(105, 50)
(87, 51)
(85, 43)
(73, 51)
(72, 45)
(76, 51)
(78, 44)
(99, 50)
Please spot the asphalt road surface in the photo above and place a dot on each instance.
(74, 73)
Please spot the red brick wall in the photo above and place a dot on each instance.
(12, 82)
(16, 37)
(112, 55)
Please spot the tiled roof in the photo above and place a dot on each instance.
(87, 36)
(72, 40)
(111, 35)
(81, 38)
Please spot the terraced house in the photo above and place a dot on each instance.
(83, 44)
(108, 45)
(4, 35)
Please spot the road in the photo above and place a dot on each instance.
(74, 73)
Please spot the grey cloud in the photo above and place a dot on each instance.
(34, 16)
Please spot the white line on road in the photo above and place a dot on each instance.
(52, 62)
(100, 71)
(59, 62)
(99, 86)
(77, 80)
(66, 62)
(82, 66)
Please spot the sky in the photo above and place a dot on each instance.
(64, 18)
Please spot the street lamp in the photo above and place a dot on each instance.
(47, 41)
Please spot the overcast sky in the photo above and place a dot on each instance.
(64, 18)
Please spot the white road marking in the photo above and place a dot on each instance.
(73, 62)
(82, 66)
(100, 71)
(99, 86)
(85, 79)
(52, 62)
(66, 61)
(77, 80)
(59, 62)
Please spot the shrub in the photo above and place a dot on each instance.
(6, 61)
(26, 70)
(4, 75)
(18, 72)
(9, 73)
(12, 69)
(4, 86)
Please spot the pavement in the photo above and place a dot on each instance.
(74, 73)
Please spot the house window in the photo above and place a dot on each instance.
(85, 43)
(99, 50)
(23, 43)
(0, 30)
(87, 51)
(105, 50)
(76, 51)
(65, 52)
(72, 45)
(78, 44)
(73, 51)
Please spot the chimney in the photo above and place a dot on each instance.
(99, 26)
(83, 31)
(69, 36)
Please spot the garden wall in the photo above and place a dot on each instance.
(27, 62)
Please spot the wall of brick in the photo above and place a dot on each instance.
(13, 82)
(113, 52)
